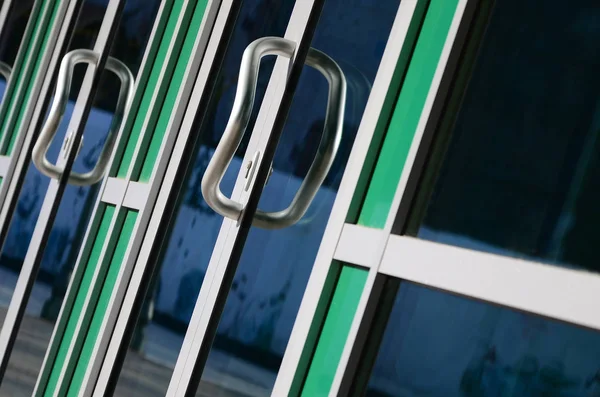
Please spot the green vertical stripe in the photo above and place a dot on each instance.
(27, 76)
(171, 97)
(153, 81)
(102, 306)
(86, 281)
(407, 113)
(335, 331)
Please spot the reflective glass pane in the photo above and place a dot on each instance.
(275, 265)
(186, 252)
(520, 166)
(439, 344)
(11, 38)
(77, 203)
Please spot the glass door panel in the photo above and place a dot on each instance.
(516, 172)
(12, 35)
(77, 202)
(433, 343)
(184, 255)
(271, 276)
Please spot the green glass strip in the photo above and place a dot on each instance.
(407, 113)
(171, 97)
(86, 281)
(34, 55)
(149, 89)
(103, 301)
(335, 331)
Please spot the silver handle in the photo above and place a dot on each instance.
(5, 70)
(238, 121)
(57, 111)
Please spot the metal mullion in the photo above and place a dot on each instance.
(56, 188)
(81, 331)
(70, 295)
(129, 281)
(357, 338)
(200, 45)
(4, 9)
(142, 76)
(190, 366)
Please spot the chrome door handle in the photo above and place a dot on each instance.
(57, 111)
(5, 70)
(238, 121)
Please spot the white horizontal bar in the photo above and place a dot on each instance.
(114, 191)
(360, 245)
(4, 163)
(136, 195)
(547, 290)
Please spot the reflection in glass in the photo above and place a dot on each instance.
(186, 252)
(77, 203)
(521, 170)
(10, 39)
(275, 265)
(438, 344)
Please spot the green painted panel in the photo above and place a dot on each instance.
(153, 81)
(335, 331)
(86, 281)
(102, 306)
(407, 113)
(169, 103)
(34, 52)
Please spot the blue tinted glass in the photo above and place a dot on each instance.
(76, 205)
(521, 171)
(438, 344)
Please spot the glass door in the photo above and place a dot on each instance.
(481, 209)
(81, 111)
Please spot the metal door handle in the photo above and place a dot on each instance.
(5, 70)
(238, 121)
(57, 111)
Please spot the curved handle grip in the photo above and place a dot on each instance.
(5, 70)
(57, 111)
(238, 121)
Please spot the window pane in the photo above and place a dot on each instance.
(438, 344)
(520, 173)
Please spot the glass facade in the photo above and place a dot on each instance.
(467, 149)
